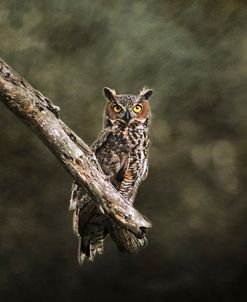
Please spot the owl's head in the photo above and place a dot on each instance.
(127, 109)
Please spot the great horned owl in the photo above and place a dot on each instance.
(122, 151)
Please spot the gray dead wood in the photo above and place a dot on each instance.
(40, 114)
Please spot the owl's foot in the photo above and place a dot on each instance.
(126, 241)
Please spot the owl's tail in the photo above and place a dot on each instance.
(88, 249)
(91, 235)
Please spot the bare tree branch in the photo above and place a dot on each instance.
(42, 116)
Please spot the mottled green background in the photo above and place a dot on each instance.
(194, 54)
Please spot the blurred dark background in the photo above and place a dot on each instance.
(194, 54)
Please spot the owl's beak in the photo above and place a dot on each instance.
(127, 116)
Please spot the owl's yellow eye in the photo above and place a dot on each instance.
(117, 108)
(137, 108)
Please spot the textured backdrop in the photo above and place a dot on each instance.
(194, 54)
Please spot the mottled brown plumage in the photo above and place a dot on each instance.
(122, 151)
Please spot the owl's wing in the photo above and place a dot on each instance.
(101, 139)
(111, 156)
(88, 221)
(77, 193)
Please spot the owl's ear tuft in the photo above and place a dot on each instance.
(146, 93)
(109, 93)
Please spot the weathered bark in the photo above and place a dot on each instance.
(42, 116)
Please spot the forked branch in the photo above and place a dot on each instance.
(42, 116)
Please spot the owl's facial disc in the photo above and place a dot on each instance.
(127, 113)
(127, 109)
